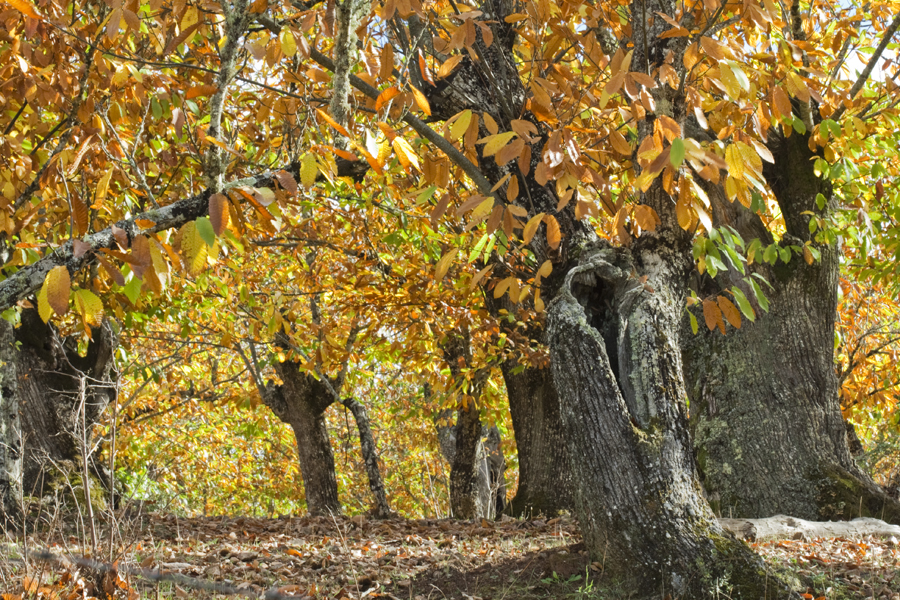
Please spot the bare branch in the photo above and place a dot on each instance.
(870, 66)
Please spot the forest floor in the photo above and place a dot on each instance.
(163, 556)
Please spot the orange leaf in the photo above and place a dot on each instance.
(712, 314)
(385, 97)
(554, 235)
(330, 120)
(730, 311)
(218, 212)
(25, 7)
(421, 100)
(423, 67)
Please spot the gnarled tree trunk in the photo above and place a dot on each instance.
(301, 402)
(545, 485)
(765, 409)
(54, 422)
(617, 367)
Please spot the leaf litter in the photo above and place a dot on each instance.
(325, 558)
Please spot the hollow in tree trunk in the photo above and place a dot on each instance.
(301, 401)
(616, 363)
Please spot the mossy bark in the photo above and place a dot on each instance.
(55, 424)
(765, 409)
(617, 368)
(10, 432)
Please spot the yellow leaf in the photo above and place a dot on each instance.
(308, 170)
(493, 143)
(531, 227)
(89, 307)
(44, 309)
(482, 210)
(421, 100)
(102, 187)
(731, 312)
(734, 161)
(538, 303)
(443, 265)
(808, 255)
(460, 125)
(405, 153)
(57, 284)
(193, 248)
(546, 268)
(288, 44)
(554, 235)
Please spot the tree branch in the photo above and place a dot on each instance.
(29, 279)
(870, 66)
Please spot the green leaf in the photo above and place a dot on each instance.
(771, 254)
(758, 293)
(676, 154)
(205, 229)
(743, 303)
(133, 290)
(694, 325)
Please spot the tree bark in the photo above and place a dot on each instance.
(49, 373)
(10, 432)
(471, 488)
(545, 485)
(382, 509)
(301, 401)
(765, 409)
(622, 401)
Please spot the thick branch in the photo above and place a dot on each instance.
(29, 279)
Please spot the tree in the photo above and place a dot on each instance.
(562, 124)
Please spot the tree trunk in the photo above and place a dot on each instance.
(382, 509)
(470, 477)
(617, 368)
(765, 409)
(10, 432)
(545, 485)
(496, 466)
(301, 402)
(49, 373)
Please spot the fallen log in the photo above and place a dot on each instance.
(781, 527)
